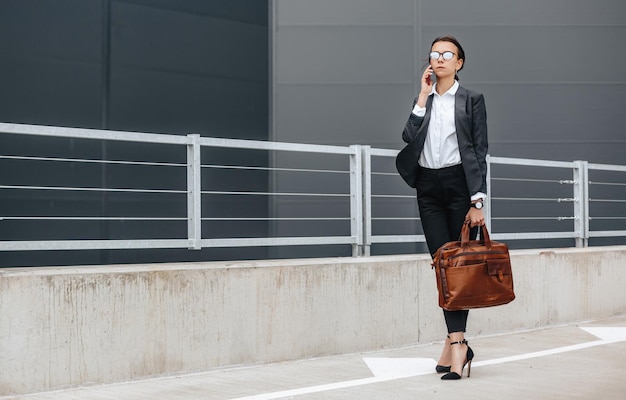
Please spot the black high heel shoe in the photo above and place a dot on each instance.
(468, 361)
(441, 369)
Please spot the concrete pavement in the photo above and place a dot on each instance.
(583, 361)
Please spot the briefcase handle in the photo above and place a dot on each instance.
(465, 231)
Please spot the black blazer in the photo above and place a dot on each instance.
(470, 118)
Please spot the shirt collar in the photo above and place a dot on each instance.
(451, 91)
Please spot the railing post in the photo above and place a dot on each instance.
(366, 159)
(581, 203)
(356, 200)
(586, 201)
(194, 195)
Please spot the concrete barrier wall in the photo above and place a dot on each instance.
(72, 326)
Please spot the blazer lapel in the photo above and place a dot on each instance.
(461, 118)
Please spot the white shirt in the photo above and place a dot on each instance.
(441, 148)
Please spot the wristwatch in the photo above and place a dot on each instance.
(478, 204)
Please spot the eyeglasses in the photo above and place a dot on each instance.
(447, 55)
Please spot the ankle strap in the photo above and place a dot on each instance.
(464, 341)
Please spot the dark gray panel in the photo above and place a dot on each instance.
(344, 12)
(528, 12)
(250, 12)
(66, 30)
(580, 122)
(344, 55)
(49, 92)
(549, 54)
(549, 70)
(343, 114)
(542, 112)
(183, 67)
(160, 39)
(607, 152)
(50, 55)
(174, 103)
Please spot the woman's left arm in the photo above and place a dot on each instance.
(479, 136)
(481, 146)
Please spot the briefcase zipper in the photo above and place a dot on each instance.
(478, 252)
(433, 264)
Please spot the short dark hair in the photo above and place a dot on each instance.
(454, 41)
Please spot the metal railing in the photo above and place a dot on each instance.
(615, 197)
(368, 196)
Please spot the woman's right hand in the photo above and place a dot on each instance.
(427, 87)
(427, 82)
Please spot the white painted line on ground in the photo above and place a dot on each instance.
(388, 369)
(316, 389)
(611, 334)
(400, 367)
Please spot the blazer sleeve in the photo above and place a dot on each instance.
(479, 137)
(412, 125)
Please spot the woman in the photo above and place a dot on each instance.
(445, 160)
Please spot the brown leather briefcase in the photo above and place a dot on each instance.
(473, 273)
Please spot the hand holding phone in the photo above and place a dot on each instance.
(427, 80)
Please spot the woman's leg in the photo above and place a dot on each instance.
(457, 198)
(434, 220)
(443, 201)
(456, 321)
(459, 352)
(458, 203)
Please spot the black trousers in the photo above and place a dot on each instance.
(444, 200)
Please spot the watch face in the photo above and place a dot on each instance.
(478, 205)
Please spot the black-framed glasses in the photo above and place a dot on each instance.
(447, 55)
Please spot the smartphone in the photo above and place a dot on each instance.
(432, 78)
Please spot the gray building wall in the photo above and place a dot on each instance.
(552, 72)
(162, 66)
(332, 72)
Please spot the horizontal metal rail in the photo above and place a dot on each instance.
(591, 198)
(91, 161)
(275, 169)
(94, 134)
(20, 245)
(398, 238)
(607, 167)
(278, 241)
(274, 146)
(92, 189)
(43, 218)
(571, 208)
(530, 162)
(598, 234)
(236, 193)
(194, 192)
(579, 199)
